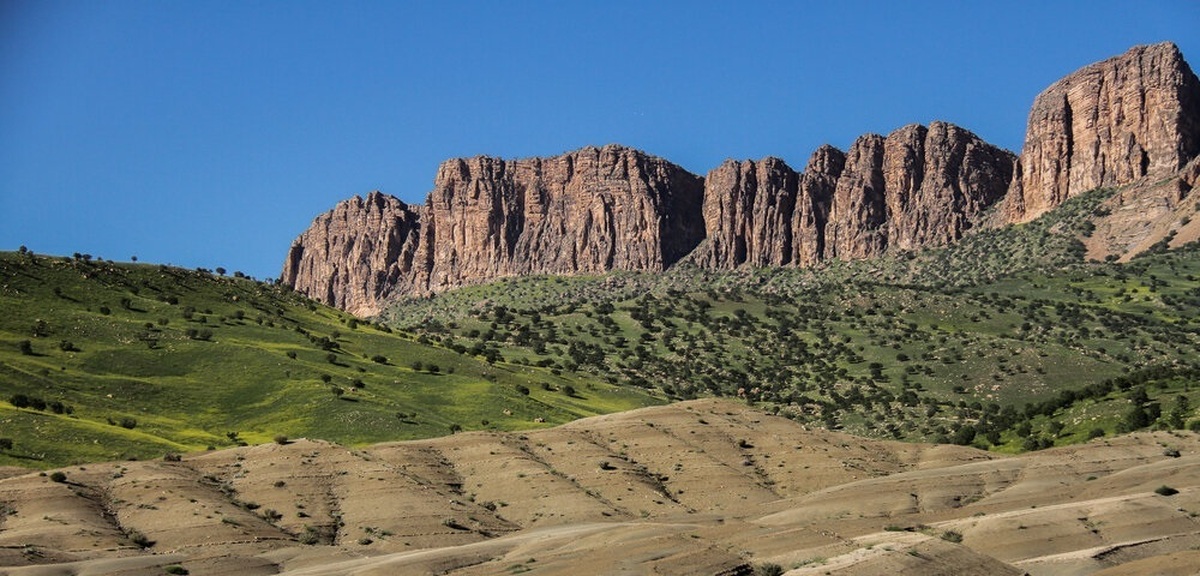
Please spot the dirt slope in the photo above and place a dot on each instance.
(701, 487)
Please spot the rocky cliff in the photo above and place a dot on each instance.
(917, 187)
(1130, 119)
(588, 211)
(1109, 124)
(357, 255)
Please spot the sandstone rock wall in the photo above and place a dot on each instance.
(356, 255)
(1133, 118)
(917, 187)
(1111, 123)
(589, 211)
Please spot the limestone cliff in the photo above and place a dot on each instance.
(358, 254)
(1109, 124)
(917, 187)
(1131, 120)
(588, 211)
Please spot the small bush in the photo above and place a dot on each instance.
(768, 569)
(140, 539)
(952, 536)
(176, 569)
(58, 477)
(281, 439)
(1165, 490)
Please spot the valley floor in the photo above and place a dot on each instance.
(699, 487)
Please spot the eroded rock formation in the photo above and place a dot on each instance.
(917, 187)
(588, 211)
(1133, 118)
(358, 254)
(1111, 123)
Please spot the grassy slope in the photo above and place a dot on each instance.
(137, 362)
(987, 333)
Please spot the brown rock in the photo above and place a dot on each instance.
(917, 187)
(1111, 123)
(817, 185)
(593, 210)
(937, 181)
(356, 255)
(589, 211)
(748, 214)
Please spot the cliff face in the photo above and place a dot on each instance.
(1130, 119)
(593, 210)
(917, 187)
(356, 255)
(1109, 124)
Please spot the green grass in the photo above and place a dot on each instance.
(1007, 329)
(130, 358)
(986, 333)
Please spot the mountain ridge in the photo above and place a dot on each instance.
(1128, 119)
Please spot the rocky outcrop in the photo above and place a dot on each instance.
(917, 187)
(358, 254)
(589, 211)
(1130, 119)
(749, 210)
(1112, 123)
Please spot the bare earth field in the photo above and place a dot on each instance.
(700, 487)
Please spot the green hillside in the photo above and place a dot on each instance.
(1007, 340)
(102, 361)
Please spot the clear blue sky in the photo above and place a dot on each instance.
(208, 134)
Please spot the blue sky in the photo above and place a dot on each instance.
(208, 134)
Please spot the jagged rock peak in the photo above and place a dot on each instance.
(1108, 124)
(356, 255)
(917, 186)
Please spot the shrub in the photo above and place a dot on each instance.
(172, 457)
(140, 539)
(58, 477)
(26, 347)
(952, 536)
(6, 443)
(768, 569)
(1165, 490)
(176, 569)
(281, 439)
